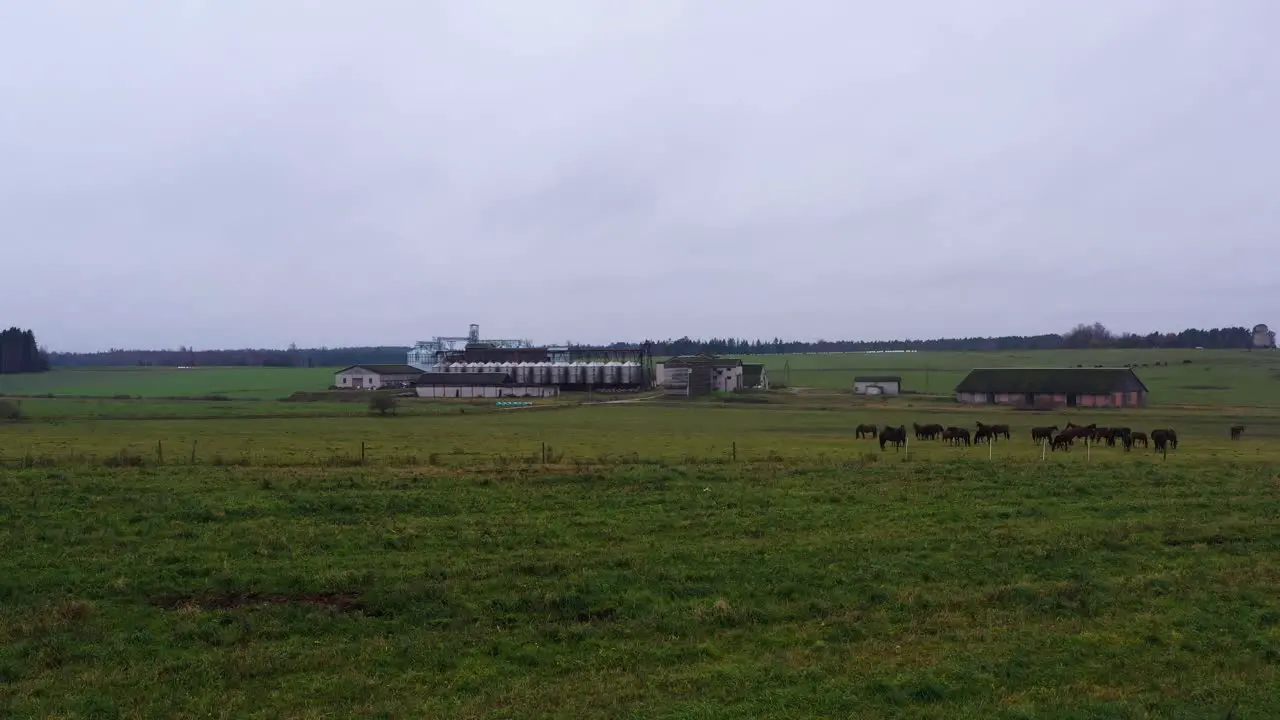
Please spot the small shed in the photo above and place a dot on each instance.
(699, 375)
(754, 376)
(877, 385)
(1049, 387)
(372, 377)
(477, 385)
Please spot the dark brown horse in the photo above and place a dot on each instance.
(1164, 439)
(1236, 431)
(1062, 442)
(992, 431)
(893, 436)
(927, 432)
(1043, 433)
(1138, 436)
(865, 431)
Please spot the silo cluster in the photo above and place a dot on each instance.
(566, 375)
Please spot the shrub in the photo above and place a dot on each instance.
(10, 410)
(382, 404)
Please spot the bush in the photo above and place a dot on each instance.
(382, 404)
(10, 410)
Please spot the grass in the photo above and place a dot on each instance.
(1206, 377)
(713, 558)
(957, 589)
(152, 382)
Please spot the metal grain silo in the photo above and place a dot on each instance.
(609, 374)
(558, 371)
(520, 373)
(591, 374)
(573, 373)
(539, 373)
(630, 373)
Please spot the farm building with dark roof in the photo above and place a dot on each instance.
(1050, 387)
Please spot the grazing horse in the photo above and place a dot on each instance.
(927, 432)
(1138, 437)
(992, 431)
(1043, 433)
(1163, 439)
(956, 435)
(1236, 431)
(983, 434)
(865, 431)
(893, 436)
(1062, 442)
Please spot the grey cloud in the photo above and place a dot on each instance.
(247, 173)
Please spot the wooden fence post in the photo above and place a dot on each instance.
(159, 452)
(361, 452)
(193, 452)
(735, 451)
(1044, 448)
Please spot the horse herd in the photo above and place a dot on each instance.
(1056, 438)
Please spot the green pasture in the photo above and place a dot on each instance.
(724, 557)
(1205, 377)
(154, 382)
(959, 589)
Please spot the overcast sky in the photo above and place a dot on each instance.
(253, 173)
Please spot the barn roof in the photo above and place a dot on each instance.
(385, 369)
(1084, 381)
(878, 378)
(691, 360)
(464, 378)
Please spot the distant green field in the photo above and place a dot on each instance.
(1203, 377)
(170, 382)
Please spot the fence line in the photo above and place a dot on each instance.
(365, 454)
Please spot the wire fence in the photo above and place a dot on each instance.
(545, 454)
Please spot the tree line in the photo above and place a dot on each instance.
(19, 352)
(1081, 336)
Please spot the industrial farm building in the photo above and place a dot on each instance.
(372, 377)
(478, 385)
(1053, 387)
(613, 368)
(692, 375)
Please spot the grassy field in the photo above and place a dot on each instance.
(1210, 377)
(743, 558)
(239, 383)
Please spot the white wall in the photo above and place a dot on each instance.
(487, 391)
(886, 388)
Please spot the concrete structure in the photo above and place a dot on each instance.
(372, 377)
(477, 385)
(755, 377)
(877, 385)
(1053, 387)
(1263, 337)
(698, 375)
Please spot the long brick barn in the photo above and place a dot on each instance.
(1053, 387)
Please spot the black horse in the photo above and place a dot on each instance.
(865, 431)
(1236, 431)
(893, 436)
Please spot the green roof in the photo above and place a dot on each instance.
(1083, 381)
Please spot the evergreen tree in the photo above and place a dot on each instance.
(19, 352)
